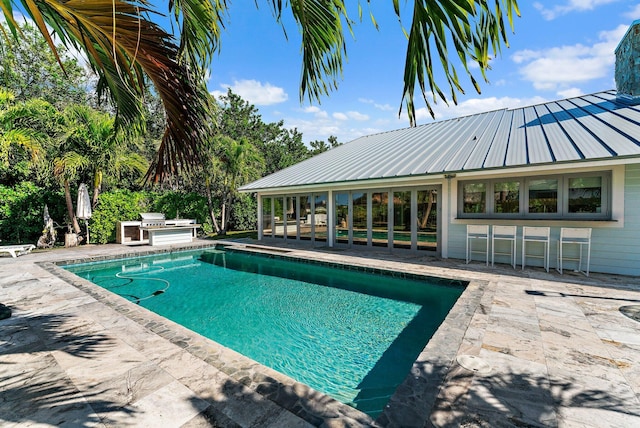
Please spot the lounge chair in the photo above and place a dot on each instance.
(17, 250)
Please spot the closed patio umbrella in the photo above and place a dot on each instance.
(83, 207)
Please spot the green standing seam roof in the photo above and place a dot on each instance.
(585, 128)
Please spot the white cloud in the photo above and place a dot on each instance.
(355, 115)
(550, 13)
(319, 113)
(560, 68)
(570, 93)
(634, 12)
(474, 106)
(255, 92)
(383, 107)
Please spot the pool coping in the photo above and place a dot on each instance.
(413, 401)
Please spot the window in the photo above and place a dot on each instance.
(560, 196)
(543, 196)
(320, 216)
(585, 195)
(402, 219)
(359, 218)
(380, 219)
(427, 219)
(342, 217)
(506, 197)
(267, 226)
(474, 197)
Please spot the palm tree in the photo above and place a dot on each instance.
(92, 147)
(94, 135)
(126, 48)
(230, 164)
(26, 127)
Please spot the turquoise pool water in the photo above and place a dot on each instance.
(349, 334)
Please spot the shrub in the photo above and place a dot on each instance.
(183, 205)
(22, 209)
(244, 213)
(115, 206)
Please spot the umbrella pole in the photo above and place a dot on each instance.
(86, 222)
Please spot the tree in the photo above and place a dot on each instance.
(26, 130)
(320, 146)
(29, 70)
(280, 147)
(232, 163)
(92, 149)
(125, 48)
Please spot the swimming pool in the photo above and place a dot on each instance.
(350, 334)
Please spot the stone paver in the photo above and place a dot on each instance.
(561, 353)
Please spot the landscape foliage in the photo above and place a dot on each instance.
(54, 135)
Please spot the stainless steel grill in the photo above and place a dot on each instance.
(152, 220)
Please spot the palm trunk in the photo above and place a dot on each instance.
(425, 218)
(210, 204)
(97, 182)
(72, 215)
(224, 218)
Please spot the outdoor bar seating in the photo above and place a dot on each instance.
(531, 234)
(575, 236)
(504, 233)
(477, 232)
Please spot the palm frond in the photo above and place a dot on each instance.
(476, 30)
(125, 47)
(323, 45)
(200, 24)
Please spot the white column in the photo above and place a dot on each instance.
(369, 218)
(331, 221)
(259, 217)
(414, 223)
(297, 208)
(449, 192)
(390, 218)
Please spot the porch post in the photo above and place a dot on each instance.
(331, 222)
(259, 217)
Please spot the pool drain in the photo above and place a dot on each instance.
(474, 364)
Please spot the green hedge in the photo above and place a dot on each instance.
(115, 206)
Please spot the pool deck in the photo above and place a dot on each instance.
(520, 348)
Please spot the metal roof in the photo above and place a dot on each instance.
(585, 128)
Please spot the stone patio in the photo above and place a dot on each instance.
(518, 349)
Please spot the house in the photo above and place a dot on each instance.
(571, 163)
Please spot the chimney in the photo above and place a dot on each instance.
(627, 73)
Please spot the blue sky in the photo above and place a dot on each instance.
(559, 49)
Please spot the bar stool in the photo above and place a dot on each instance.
(536, 234)
(577, 236)
(504, 233)
(477, 231)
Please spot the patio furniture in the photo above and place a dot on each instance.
(477, 232)
(574, 236)
(533, 234)
(17, 250)
(504, 233)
